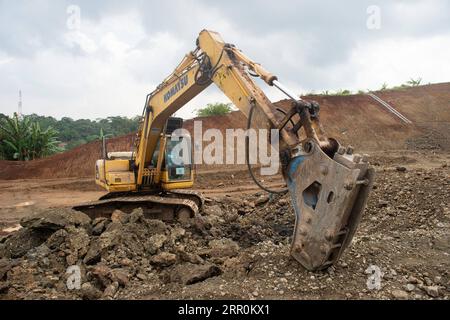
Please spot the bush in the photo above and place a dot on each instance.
(214, 109)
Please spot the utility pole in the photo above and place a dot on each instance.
(19, 105)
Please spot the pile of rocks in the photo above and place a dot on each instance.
(109, 253)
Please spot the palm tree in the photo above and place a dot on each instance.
(42, 143)
(22, 139)
(413, 82)
(14, 133)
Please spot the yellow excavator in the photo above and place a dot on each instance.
(328, 183)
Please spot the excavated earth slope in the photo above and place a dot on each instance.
(356, 119)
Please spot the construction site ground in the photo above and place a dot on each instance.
(404, 232)
(238, 247)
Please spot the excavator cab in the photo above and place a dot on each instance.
(177, 172)
(171, 169)
(174, 169)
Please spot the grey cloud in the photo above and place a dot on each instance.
(302, 41)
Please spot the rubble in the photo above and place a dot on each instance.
(56, 219)
(237, 248)
(189, 273)
(399, 294)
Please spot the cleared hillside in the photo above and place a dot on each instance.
(355, 119)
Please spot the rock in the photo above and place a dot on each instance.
(77, 241)
(400, 168)
(213, 210)
(243, 211)
(432, 291)
(113, 226)
(111, 290)
(382, 203)
(164, 259)
(141, 276)
(399, 294)
(23, 240)
(119, 217)
(413, 280)
(57, 239)
(155, 243)
(262, 200)
(56, 219)
(255, 293)
(98, 220)
(101, 273)
(438, 279)
(177, 233)
(137, 215)
(155, 226)
(38, 253)
(189, 273)
(97, 247)
(89, 292)
(94, 253)
(233, 264)
(109, 239)
(190, 257)
(120, 276)
(201, 224)
(125, 262)
(99, 225)
(251, 204)
(410, 287)
(5, 266)
(231, 217)
(222, 248)
(4, 287)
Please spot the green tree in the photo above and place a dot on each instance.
(414, 82)
(42, 143)
(22, 139)
(214, 109)
(14, 132)
(343, 92)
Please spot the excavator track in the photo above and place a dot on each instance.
(179, 205)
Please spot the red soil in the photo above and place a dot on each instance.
(357, 119)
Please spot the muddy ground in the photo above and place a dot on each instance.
(237, 249)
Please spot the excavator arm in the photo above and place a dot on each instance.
(328, 184)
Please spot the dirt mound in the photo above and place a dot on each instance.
(112, 253)
(357, 119)
(78, 162)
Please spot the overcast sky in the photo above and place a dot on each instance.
(121, 50)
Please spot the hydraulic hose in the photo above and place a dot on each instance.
(247, 158)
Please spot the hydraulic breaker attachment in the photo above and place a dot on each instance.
(328, 196)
